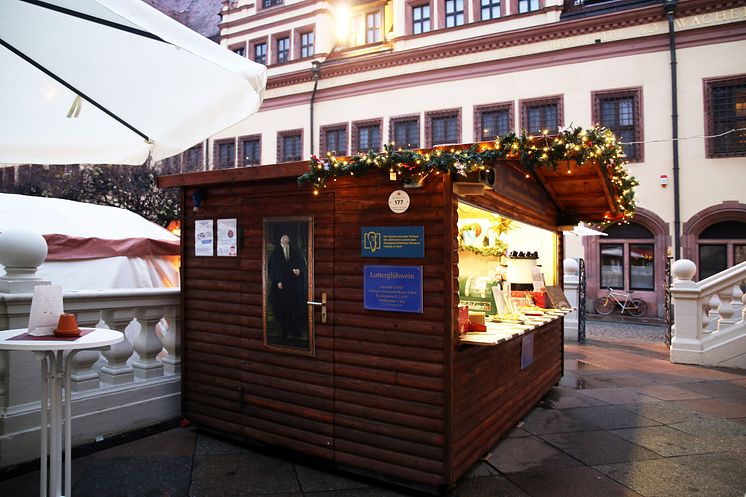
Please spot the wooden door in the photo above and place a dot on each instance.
(288, 351)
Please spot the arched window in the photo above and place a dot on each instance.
(627, 258)
(721, 245)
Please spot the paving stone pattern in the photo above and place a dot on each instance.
(624, 422)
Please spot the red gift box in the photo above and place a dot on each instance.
(541, 299)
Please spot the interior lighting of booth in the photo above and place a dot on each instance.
(486, 238)
(597, 147)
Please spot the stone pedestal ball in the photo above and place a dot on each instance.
(22, 251)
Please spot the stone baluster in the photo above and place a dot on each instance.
(726, 309)
(116, 371)
(148, 346)
(737, 302)
(4, 369)
(713, 316)
(82, 375)
(172, 342)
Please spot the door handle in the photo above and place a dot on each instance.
(322, 304)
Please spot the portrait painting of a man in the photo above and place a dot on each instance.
(287, 282)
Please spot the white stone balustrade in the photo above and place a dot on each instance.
(710, 324)
(107, 393)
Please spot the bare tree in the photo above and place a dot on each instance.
(131, 188)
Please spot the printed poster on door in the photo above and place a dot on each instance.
(227, 239)
(203, 241)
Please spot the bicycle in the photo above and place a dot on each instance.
(605, 305)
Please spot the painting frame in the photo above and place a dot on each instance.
(288, 284)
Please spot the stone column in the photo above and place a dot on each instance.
(686, 343)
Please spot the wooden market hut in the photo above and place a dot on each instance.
(394, 394)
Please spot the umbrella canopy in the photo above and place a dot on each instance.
(113, 81)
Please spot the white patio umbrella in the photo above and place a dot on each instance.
(112, 81)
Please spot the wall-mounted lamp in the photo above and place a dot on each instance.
(315, 70)
(197, 197)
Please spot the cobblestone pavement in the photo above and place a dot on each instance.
(642, 332)
(623, 422)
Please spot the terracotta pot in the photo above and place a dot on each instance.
(67, 326)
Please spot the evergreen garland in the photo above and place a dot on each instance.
(596, 146)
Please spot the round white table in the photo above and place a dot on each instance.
(55, 377)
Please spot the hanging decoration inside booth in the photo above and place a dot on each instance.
(597, 147)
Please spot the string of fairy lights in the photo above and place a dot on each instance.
(594, 147)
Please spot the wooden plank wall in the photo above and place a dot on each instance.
(373, 397)
(491, 393)
(232, 381)
(389, 367)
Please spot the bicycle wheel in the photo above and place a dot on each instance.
(639, 308)
(604, 306)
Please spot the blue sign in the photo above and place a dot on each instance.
(393, 241)
(527, 351)
(393, 288)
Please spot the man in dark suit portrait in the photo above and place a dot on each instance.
(288, 277)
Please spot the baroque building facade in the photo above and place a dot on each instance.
(346, 78)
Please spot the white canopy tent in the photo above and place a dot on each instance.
(112, 82)
(94, 247)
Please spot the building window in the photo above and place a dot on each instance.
(725, 107)
(193, 159)
(224, 154)
(260, 53)
(421, 19)
(366, 136)
(334, 140)
(454, 13)
(443, 127)
(620, 112)
(306, 44)
(250, 150)
(283, 50)
(270, 3)
(240, 51)
(628, 261)
(491, 121)
(372, 27)
(721, 246)
(490, 9)
(527, 6)
(541, 115)
(405, 132)
(290, 145)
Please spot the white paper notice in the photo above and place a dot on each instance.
(227, 237)
(203, 237)
(46, 307)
